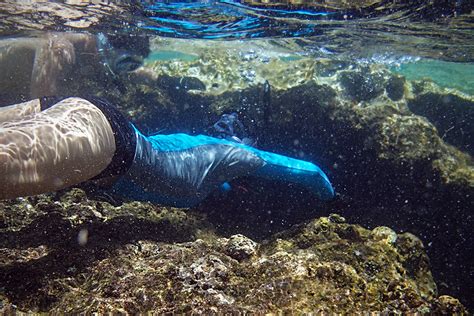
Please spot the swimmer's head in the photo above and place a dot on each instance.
(122, 53)
(124, 62)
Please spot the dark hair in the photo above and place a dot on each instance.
(133, 42)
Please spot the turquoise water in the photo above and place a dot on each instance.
(163, 55)
(453, 75)
(291, 58)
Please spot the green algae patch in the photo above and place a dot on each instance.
(446, 74)
(140, 258)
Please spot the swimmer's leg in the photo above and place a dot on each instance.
(17, 111)
(66, 144)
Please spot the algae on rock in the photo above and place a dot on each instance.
(129, 265)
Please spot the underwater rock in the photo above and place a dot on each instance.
(452, 113)
(225, 68)
(130, 265)
(384, 234)
(174, 84)
(407, 138)
(362, 85)
(240, 247)
(386, 148)
(396, 87)
(449, 305)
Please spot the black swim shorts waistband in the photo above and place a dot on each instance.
(124, 134)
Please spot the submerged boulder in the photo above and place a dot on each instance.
(361, 85)
(450, 111)
(396, 87)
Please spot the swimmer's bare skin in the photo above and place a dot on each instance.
(33, 66)
(43, 151)
(18, 111)
(73, 141)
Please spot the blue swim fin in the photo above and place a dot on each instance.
(181, 170)
(278, 167)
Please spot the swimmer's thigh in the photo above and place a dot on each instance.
(20, 110)
(66, 144)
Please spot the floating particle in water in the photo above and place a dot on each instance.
(82, 237)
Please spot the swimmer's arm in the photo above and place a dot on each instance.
(52, 58)
(13, 45)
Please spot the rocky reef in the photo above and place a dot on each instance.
(398, 151)
(70, 253)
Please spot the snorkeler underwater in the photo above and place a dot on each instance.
(39, 65)
(233, 156)
(51, 143)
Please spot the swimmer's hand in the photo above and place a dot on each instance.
(181, 170)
